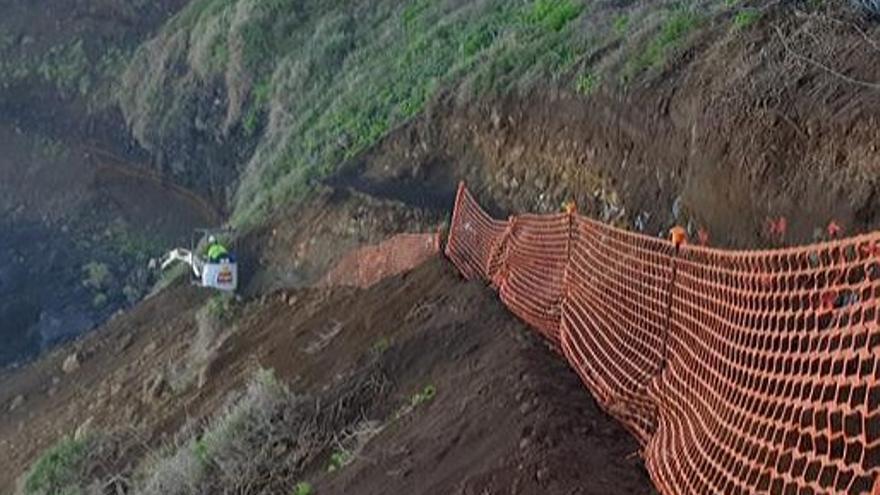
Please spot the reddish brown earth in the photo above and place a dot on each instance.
(508, 416)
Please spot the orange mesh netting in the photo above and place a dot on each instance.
(738, 372)
(368, 265)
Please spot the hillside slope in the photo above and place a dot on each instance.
(507, 415)
(320, 126)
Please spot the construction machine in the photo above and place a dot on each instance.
(219, 274)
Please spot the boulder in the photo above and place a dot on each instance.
(71, 364)
(17, 402)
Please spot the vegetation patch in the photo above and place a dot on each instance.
(59, 469)
(316, 83)
(89, 462)
(97, 275)
(554, 14)
(303, 488)
(587, 83)
(310, 85)
(677, 25)
(262, 440)
(745, 18)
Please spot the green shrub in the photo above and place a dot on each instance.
(99, 301)
(302, 488)
(426, 395)
(58, 470)
(97, 275)
(381, 345)
(338, 460)
(219, 308)
(746, 18)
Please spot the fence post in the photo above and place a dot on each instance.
(571, 210)
(456, 212)
(678, 237)
(498, 254)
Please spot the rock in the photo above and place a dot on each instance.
(83, 430)
(17, 402)
(124, 343)
(150, 348)
(202, 377)
(71, 364)
(496, 119)
(155, 388)
(543, 475)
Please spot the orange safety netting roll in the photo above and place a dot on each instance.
(369, 265)
(738, 372)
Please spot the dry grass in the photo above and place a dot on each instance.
(870, 6)
(263, 440)
(215, 322)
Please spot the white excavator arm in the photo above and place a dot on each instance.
(185, 256)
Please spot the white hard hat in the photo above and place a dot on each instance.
(212, 239)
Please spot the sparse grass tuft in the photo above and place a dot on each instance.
(380, 346)
(587, 83)
(554, 14)
(621, 24)
(676, 27)
(338, 460)
(745, 18)
(425, 395)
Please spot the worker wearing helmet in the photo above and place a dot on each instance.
(216, 251)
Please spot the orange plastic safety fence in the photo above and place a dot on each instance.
(368, 265)
(615, 318)
(739, 372)
(476, 236)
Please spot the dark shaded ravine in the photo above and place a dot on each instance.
(67, 267)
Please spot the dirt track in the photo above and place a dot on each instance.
(508, 416)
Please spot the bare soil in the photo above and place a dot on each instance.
(508, 416)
